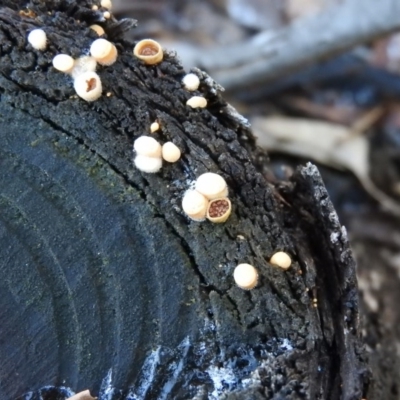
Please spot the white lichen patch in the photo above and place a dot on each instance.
(231, 111)
(335, 237)
(286, 345)
(176, 369)
(82, 65)
(223, 379)
(147, 374)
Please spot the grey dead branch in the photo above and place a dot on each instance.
(274, 54)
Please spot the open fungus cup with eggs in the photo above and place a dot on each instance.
(149, 51)
(219, 210)
(88, 86)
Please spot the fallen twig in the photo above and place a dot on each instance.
(270, 55)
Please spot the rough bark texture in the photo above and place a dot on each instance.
(106, 285)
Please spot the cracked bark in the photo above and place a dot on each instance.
(105, 282)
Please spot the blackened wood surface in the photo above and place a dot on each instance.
(105, 283)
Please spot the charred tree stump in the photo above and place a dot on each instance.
(107, 285)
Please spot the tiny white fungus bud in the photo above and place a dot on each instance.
(197, 102)
(147, 146)
(38, 39)
(103, 51)
(171, 152)
(281, 259)
(150, 165)
(98, 29)
(194, 204)
(63, 63)
(191, 82)
(95, 8)
(245, 276)
(106, 4)
(100, 48)
(154, 127)
(107, 14)
(88, 86)
(212, 185)
(82, 65)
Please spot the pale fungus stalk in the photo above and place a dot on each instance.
(88, 86)
(38, 39)
(191, 82)
(245, 276)
(281, 259)
(154, 127)
(147, 146)
(149, 51)
(171, 152)
(63, 63)
(150, 165)
(212, 186)
(104, 52)
(98, 29)
(194, 204)
(197, 102)
(219, 210)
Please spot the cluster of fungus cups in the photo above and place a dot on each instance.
(209, 199)
(191, 82)
(246, 276)
(87, 83)
(150, 153)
